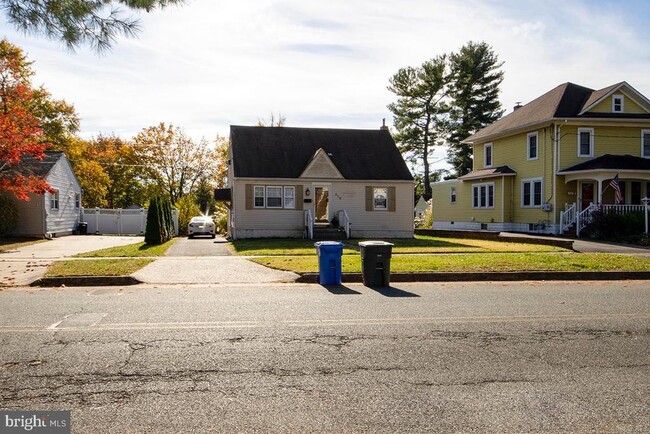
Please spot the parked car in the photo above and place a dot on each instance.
(201, 225)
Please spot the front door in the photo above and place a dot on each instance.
(321, 205)
(587, 195)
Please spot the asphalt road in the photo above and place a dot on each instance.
(470, 357)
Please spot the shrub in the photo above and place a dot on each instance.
(8, 215)
(616, 227)
(426, 221)
(152, 231)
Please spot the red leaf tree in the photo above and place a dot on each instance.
(20, 133)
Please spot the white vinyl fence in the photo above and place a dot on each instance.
(119, 221)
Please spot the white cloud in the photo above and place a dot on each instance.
(208, 64)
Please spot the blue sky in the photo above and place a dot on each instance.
(212, 63)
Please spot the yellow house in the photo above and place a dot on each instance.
(548, 164)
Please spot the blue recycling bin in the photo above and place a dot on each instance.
(329, 262)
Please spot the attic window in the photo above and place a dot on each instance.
(617, 104)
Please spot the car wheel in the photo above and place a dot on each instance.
(190, 236)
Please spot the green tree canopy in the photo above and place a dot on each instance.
(475, 78)
(77, 22)
(419, 110)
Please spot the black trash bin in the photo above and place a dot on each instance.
(83, 228)
(375, 262)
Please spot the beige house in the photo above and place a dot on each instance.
(317, 183)
(550, 163)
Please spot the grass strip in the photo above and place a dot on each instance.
(419, 244)
(474, 262)
(129, 251)
(97, 267)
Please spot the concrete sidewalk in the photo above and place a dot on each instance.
(583, 245)
(209, 270)
(27, 264)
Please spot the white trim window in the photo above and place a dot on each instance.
(532, 147)
(487, 155)
(274, 196)
(258, 196)
(645, 144)
(483, 195)
(585, 142)
(452, 195)
(54, 200)
(531, 193)
(289, 197)
(617, 104)
(380, 198)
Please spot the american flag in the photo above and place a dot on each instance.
(617, 188)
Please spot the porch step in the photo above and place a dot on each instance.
(328, 233)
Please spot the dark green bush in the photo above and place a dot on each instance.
(8, 215)
(611, 226)
(152, 232)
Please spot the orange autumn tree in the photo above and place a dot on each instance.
(20, 132)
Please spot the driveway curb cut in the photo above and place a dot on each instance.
(487, 277)
(87, 281)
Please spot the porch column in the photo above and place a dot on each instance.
(600, 191)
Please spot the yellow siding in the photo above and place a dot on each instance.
(629, 106)
(607, 140)
(444, 210)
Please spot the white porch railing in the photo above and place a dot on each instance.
(584, 218)
(344, 221)
(622, 209)
(309, 224)
(568, 216)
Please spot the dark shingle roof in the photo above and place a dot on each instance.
(284, 152)
(30, 166)
(611, 162)
(489, 173)
(565, 101)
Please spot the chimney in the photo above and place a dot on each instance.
(517, 106)
(383, 124)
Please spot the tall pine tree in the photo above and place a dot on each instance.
(419, 111)
(474, 80)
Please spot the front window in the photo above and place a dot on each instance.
(532, 146)
(488, 155)
(585, 142)
(453, 195)
(531, 193)
(259, 196)
(77, 200)
(289, 197)
(483, 195)
(54, 200)
(645, 143)
(273, 196)
(617, 104)
(380, 198)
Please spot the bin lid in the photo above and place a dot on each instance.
(328, 243)
(375, 243)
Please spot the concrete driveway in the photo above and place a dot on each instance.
(23, 266)
(207, 261)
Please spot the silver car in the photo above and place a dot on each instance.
(201, 225)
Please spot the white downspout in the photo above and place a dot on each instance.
(556, 159)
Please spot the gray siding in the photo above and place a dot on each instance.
(30, 216)
(64, 220)
(343, 194)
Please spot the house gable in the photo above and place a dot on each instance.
(321, 166)
(630, 100)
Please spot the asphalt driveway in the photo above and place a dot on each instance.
(199, 246)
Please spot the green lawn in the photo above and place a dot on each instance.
(475, 262)
(419, 244)
(97, 267)
(129, 251)
(13, 243)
